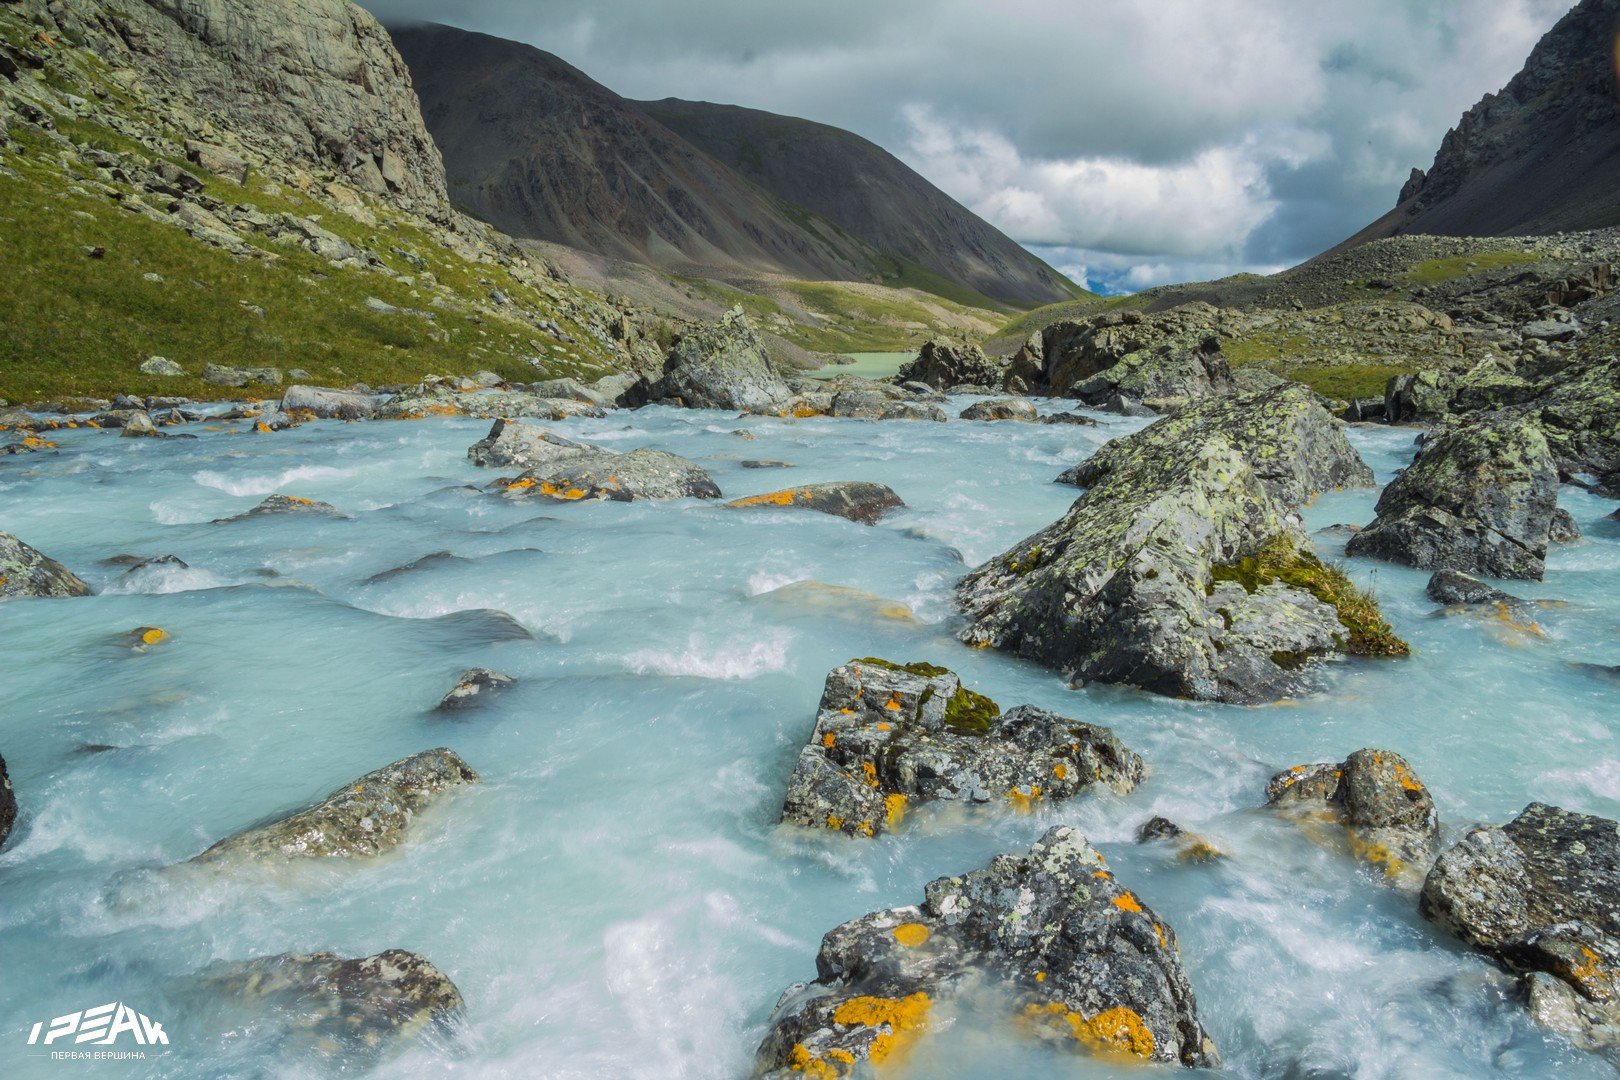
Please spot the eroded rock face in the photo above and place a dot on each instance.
(892, 736)
(1538, 895)
(941, 363)
(1001, 409)
(1076, 954)
(25, 571)
(8, 804)
(1183, 568)
(327, 403)
(724, 366)
(1479, 497)
(360, 819)
(514, 445)
(1388, 813)
(354, 1013)
(604, 475)
(858, 500)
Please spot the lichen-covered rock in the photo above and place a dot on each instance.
(285, 504)
(864, 404)
(1479, 497)
(1579, 413)
(327, 403)
(1564, 529)
(26, 572)
(1538, 895)
(512, 444)
(441, 397)
(360, 819)
(1388, 813)
(858, 500)
(225, 375)
(1183, 569)
(891, 736)
(605, 475)
(352, 1013)
(473, 686)
(1458, 588)
(724, 366)
(941, 363)
(1001, 409)
(1083, 959)
(1160, 359)
(8, 804)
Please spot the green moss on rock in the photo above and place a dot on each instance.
(967, 713)
(1367, 632)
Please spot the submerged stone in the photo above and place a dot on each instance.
(857, 500)
(25, 571)
(1076, 955)
(1388, 813)
(1001, 409)
(474, 685)
(360, 819)
(1457, 588)
(285, 504)
(891, 736)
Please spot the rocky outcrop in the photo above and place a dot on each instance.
(1161, 360)
(278, 504)
(1001, 409)
(359, 820)
(8, 804)
(327, 403)
(474, 686)
(511, 444)
(27, 572)
(724, 366)
(605, 475)
(349, 1013)
(1453, 587)
(1579, 413)
(1183, 569)
(858, 500)
(1479, 498)
(1537, 894)
(943, 363)
(893, 736)
(1387, 812)
(1083, 958)
(436, 396)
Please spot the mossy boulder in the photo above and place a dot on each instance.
(1081, 958)
(1183, 569)
(1376, 795)
(892, 736)
(24, 571)
(724, 366)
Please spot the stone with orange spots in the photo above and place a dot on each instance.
(605, 475)
(1388, 812)
(858, 500)
(1081, 958)
(1538, 896)
(285, 504)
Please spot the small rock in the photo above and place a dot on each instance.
(1388, 812)
(473, 685)
(221, 375)
(328, 403)
(285, 504)
(1564, 529)
(857, 500)
(754, 463)
(1001, 409)
(160, 365)
(8, 804)
(1456, 587)
(1069, 418)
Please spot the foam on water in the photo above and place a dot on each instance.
(615, 899)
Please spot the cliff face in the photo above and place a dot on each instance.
(1539, 156)
(867, 191)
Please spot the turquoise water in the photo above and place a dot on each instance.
(615, 899)
(867, 365)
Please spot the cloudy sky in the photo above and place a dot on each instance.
(1128, 142)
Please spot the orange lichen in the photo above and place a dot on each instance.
(553, 491)
(829, 740)
(1102, 875)
(834, 821)
(903, 1020)
(1119, 1030)
(911, 934)
(1126, 901)
(1060, 770)
(883, 727)
(151, 635)
(828, 1065)
(522, 483)
(895, 804)
(773, 498)
(869, 770)
(1024, 802)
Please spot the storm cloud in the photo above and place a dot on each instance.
(1129, 142)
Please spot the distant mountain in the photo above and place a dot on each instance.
(540, 150)
(1541, 156)
(868, 191)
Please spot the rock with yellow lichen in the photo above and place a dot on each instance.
(858, 500)
(1080, 959)
(25, 571)
(512, 444)
(614, 477)
(360, 819)
(892, 736)
(285, 504)
(1538, 895)
(1379, 799)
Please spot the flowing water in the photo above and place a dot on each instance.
(615, 899)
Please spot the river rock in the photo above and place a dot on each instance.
(941, 363)
(1457, 588)
(724, 366)
(890, 736)
(26, 572)
(1564, 529)
(285, 504)
(1538, 895)
(605, 475)
(360, 819)
(858, 500)
(435, 396)
(1388, 813)
(1479, 498)
(1074, 418)
(1001, 409)
(8, 804)
(1579, 413)
(327, 403)
(1184, 569)
(473, 686)
(1160, 359)
(353, 1013)
(864, 404)
(1082, 957)
(513, 444)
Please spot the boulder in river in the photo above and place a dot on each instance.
(1076, 955)
(1479, 497)
(1538, 895)
(1386, 809)
(8, 803)
(1184, 569)
(724, 366)
(354, 1013)
(605, 475)
(360, 819)
(1453, 587)
(277, 504)
(1014, 408)
(26, 572)
(941, 363)
(869, 404)
(891, 736)
(474, 686)
(328, 404)
(858, 500)
(513, 444)
(1564, 529)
